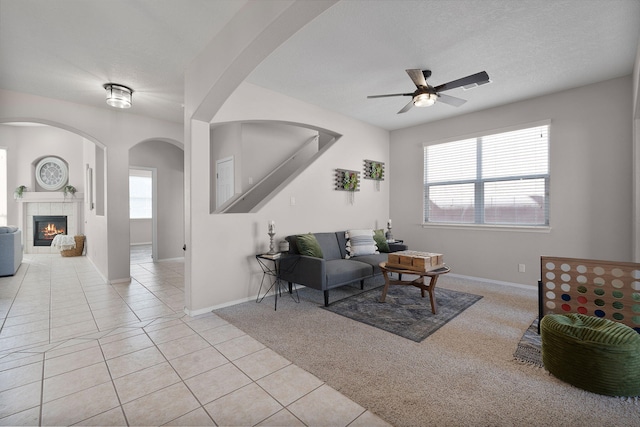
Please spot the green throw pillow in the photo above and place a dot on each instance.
(308, 245)
(381, 241)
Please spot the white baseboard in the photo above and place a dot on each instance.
(193, 313)
(111, 282)
(171, 259)
(198, 312)
(96, 267)
(496, 282)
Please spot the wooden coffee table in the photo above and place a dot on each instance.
(420, 282)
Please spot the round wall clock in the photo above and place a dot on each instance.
(51, 173)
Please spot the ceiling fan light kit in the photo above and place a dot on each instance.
(425, 99)
(118, 96)
(426, 95)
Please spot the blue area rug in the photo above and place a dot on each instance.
(405, 312)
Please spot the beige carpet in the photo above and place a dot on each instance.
(462, 375)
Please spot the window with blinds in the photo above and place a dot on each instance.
(140, 197)
(499, 179)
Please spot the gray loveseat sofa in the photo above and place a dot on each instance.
(10, 250)
(333, 270)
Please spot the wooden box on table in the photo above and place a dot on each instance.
(415, 260)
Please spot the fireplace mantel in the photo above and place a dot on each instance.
(49, 196)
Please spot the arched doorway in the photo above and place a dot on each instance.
(157, 213)
(26, 144)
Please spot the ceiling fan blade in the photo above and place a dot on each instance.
(406, 107)
(417, 77)
(451, 100)
(391, 94)
(481, 77)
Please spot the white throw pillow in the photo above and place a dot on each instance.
(360, 242)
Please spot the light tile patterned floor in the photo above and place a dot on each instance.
(75, 350)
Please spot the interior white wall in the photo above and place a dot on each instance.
(255, 31)
(116, 131)
(168, 160)
(266, 145)
(100, 179)
(96, 242)
(636, 189)
(227, 271)
(636, 157)
(140, 231)
(257, 149)
(591, 185)
(226, 141)
(26, 145)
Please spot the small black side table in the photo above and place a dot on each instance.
(270, 266)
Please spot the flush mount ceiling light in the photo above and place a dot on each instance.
(425, 99)
(118, 96)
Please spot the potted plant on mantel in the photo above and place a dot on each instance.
(69, 189)
(17, 194)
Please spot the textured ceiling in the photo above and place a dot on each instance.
(67, 49)
(528, 48)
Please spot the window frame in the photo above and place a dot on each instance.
(479, 182)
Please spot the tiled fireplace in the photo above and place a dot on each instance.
(34, 205)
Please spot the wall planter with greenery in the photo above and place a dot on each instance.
(348, 180)
(374, 170)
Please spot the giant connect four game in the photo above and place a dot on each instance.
(605, 289)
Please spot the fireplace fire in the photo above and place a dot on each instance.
(45, 228)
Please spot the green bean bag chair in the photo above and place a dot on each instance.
(594, 354)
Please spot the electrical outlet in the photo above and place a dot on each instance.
(521, 268)
(292, 200)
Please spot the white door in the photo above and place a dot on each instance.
(224, 180)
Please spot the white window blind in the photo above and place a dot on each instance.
(140, 197)
(499, 179)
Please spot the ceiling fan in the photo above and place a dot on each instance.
(426, 95)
